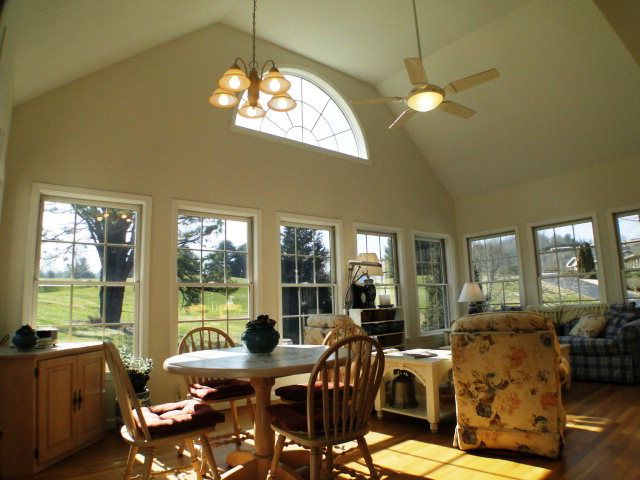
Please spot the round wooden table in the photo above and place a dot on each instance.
(262, 370)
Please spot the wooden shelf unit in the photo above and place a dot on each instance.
(52, 405)
(385, 324)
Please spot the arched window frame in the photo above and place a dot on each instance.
(340, 101)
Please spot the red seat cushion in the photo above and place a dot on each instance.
(298, 393)
(173, 418)
(293, 417)
(220, 389)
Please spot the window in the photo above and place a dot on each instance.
(383, 245)
(628, 227)
(307, 275)
(567, 263)
(87, 270)
(322, 118)
(432, 284)
(214, 270)
(493, 264)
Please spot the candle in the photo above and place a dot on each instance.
(385, 300)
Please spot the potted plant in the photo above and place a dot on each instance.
(138, 368)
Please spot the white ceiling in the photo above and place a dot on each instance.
(567, 96)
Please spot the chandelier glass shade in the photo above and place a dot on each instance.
(237, 79)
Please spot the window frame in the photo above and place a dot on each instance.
(618, 244)
(339, 98)
(337, 260)
(492, 234)
(213, 210)
(40, 193)
(591, 217)
(449, 260)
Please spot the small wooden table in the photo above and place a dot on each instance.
(430, 372)
(262, 370)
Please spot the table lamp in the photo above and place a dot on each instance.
(472, 294)
(362, 296)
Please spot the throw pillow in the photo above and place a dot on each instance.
(589, 326)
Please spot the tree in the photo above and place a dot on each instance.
(585, 261)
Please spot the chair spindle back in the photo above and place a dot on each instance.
(203, 338)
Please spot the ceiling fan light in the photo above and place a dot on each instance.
(282, 103)
(425, 99)
(234, 79)
(223, 99)
(251, 111)
(274, 83)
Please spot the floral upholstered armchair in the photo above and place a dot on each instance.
(507, 372)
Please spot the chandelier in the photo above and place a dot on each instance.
(236, 80)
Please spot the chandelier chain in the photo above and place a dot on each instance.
(254, 64)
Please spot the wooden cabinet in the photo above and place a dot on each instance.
(385, 324)
(52, 405)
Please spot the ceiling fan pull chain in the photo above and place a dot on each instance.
(415, 21)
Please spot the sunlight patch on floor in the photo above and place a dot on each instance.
(426, 460)
(583, 422)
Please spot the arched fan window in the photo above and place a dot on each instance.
(321, 119)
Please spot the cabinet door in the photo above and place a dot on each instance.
(90, 413)
(55, 422)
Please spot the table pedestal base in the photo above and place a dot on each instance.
(289, 461)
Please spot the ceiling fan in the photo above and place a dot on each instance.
(425, 96)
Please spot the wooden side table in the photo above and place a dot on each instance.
(430, 372)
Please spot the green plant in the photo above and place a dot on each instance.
(261, 322)
(133, 363)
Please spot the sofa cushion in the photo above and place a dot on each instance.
(589, 326)
(179, 417)
(220, 389)
(591, 346)
(616, 319)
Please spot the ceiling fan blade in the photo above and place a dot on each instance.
(471, 81)
(456, 109)
(402, 118)
(415, 69)
(372, 101)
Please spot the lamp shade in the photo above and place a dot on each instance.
(425, 99)
(251, 111)
(234, 79)
(471, 293)
(223, 98)
(370, 264)
(282, 103)
(274, 83)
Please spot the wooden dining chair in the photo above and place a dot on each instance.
(216, 390)
(336, 416)
(171, 423)
(298, 393)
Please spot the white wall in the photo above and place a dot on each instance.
(8, 26)
(144, 126)
(590, 192)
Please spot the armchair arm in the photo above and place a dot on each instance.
(629, 338)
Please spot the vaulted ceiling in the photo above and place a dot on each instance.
(568, 95)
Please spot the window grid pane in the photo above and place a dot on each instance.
(431, 280)
(307, 276)
(384, 246)
(494, 267)
(567, 263)
(628, 235)
(316, 120)
(213, 273)
(86, 277)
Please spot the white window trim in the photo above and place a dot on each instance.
(213, 209)
(399, 233)
(283, 217)
(500, 231)
(612, 233)
(597, 237)
(339, 98)
(450, 265)
(39, 190)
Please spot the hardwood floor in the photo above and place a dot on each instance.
(602, 442)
